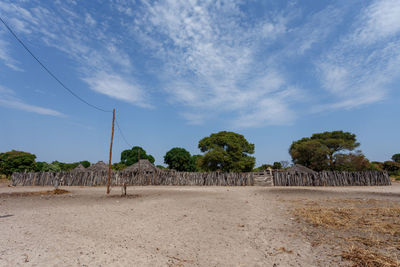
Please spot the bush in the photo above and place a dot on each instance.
(393, 168)
(16, 161)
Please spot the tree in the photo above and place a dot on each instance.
(352, 162)
(392, 167)
(130, 156)
(262, 168)
(16, 161)
(318, 151)
(197, 162)
(85, 163)
(335, 142)
(396, 158)
(179, 159)
(277, 165)
(377, 166)
(57, 166)
(42, 166)
(226, 151)
(118, 166)
(309, 153)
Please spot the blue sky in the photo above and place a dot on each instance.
(177, 71)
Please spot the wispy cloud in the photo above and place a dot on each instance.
(211, 57)
(5, 56)
(9, 100)
(359, 68)
(92, 46)
(117, 87)
(220, 59)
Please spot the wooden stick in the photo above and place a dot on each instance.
(109, 162)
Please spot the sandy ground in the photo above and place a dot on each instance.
(164, 226)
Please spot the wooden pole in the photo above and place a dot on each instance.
(109, 162)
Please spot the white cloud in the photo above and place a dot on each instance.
(214, 59)
(5, 55)
(117, 87)
(360, 67)
(89, 20)
(8, 99)
(94, 50)
(211, 57)
(379, 21)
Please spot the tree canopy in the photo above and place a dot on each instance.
(352, 162)
(276, 165)
(130, 156)
(318, 151)
(16, 161)
(226, 151)
(396, 158)
(180, 159)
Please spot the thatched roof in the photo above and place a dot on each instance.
(79, 168)
(143, 164)
(300, 169)
(98, 167)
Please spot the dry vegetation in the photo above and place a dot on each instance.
(35, 193)
(366, 231)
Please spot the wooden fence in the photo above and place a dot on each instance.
(331, 178)
(159, 177)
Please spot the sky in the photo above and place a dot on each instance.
(177, 71)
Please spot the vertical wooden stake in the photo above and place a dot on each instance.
(138, 157)
(109, 162)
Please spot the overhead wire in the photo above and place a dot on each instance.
(120, 131)
(60, 82)
(49, 72)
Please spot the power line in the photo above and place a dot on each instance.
(120, 131)
(50, 73)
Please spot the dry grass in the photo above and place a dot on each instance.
(367, 230)
(35, 193)
(366, 258)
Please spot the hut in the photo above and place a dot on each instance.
(98, 167)
(79, 168)
(297, 168)
(143, 165)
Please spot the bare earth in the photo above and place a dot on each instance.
(165, 226)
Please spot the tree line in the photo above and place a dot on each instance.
(229, 152)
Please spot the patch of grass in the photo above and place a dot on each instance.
(367, 258)
(35, 193)
(370, 227)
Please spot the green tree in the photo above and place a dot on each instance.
(377, 166)
(309, 153)
(161, 167)
(179, 159)
(197, 162)
(318, 151)
(42, 166)
(352, 162)
(392, 167)
(65, 167)
(118, 166)
(85, 163)
(262, 168)
(277, 165)
(16, 161)
(130, 156)
(226, 151)
(396, 158)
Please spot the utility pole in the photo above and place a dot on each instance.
(109, 162)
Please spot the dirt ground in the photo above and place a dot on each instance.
(167, 226)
